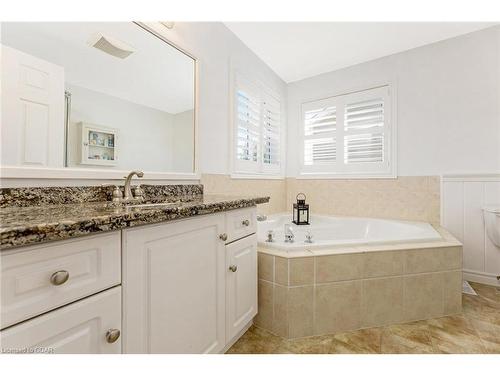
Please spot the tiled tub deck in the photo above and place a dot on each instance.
(305, 294)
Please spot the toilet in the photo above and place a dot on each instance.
(492, 223)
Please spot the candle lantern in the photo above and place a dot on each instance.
(301, 210)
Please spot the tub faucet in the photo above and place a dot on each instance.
(309, 237)
(289, 236)
(270, 236)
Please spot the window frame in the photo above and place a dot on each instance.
(360, 171)
(241, 169)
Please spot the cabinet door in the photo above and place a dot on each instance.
(241, 284)
(78, 328)
(173, 281)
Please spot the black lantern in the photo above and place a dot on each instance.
(301, 210)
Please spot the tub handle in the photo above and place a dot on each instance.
(270, 236)
(309, 238)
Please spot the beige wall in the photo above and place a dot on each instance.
(224, 184)
(406, 198)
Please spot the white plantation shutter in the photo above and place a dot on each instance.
(364, 131)
(271, 132)
(348, 134)
(257, 129)
(247, 125)
(320, 147)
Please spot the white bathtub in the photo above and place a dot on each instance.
(333, 231)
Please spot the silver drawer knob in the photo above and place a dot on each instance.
(246, 222)
(112, 335)
(233, 268)
(223, 237)
(59, 277)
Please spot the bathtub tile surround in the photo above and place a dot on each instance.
(300, 317)
(475, 330)
(265, 267)
(337, 307)
(388, 263)
(224, 184)
(343, 292)
(376, 310)
(339, 268)
(406, 197)
(300, 271)
(265, 302)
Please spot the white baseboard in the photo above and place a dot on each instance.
(237, 337)
(481, 277)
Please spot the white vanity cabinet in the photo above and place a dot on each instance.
(184, 289)
(173, 287)
(40, 278)
(188, 286)
(89, 326)
(82, 275)
(241, 284)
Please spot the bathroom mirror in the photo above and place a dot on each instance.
(109, 96)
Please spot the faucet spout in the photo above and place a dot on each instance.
(289, 236)
(128, 180)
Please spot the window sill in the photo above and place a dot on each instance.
(332, 176)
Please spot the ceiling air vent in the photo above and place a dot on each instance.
(111, 46)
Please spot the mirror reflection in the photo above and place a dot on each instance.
(96, 95)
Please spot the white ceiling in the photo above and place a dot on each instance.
(156, 75)
(297, 50)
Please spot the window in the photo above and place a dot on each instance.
(256, 130)
(349, 135)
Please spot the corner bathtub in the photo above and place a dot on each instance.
(358, 273)
(333, 231)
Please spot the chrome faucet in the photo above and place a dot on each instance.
(128, 179)
(270, 236)
(309, 237)
(289, 236)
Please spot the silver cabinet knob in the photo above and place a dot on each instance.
(112, 335)
(233, 268)
(223, 237)
(59, 277)
(246, 222)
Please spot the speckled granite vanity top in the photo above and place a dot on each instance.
(21, 224)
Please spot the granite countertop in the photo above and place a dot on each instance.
(20, 226)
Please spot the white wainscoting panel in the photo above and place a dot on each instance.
(463, 198)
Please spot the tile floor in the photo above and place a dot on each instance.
(476, 330)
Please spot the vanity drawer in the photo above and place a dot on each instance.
(37, 279)
(241, 223)
(89, 326)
